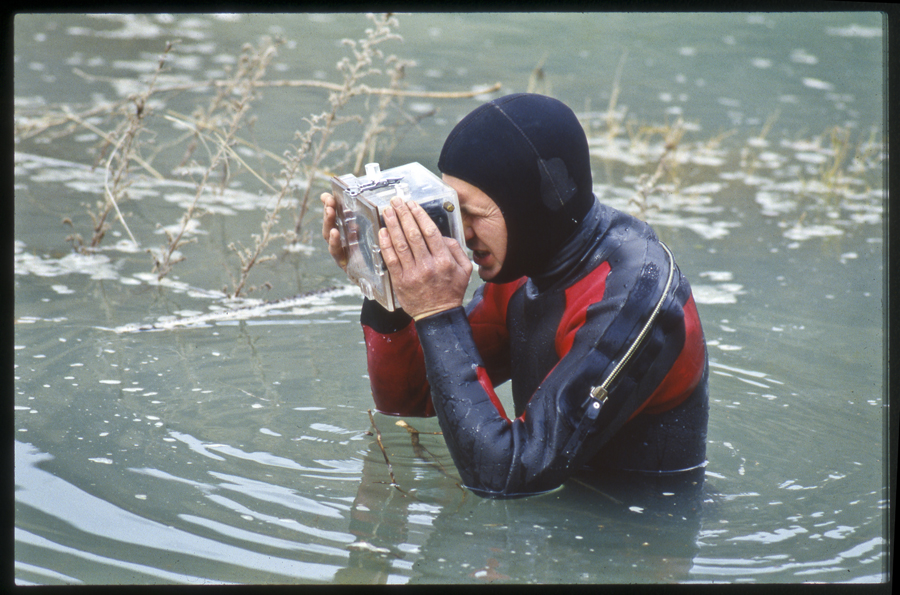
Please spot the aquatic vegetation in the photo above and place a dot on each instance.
(815, 186)
(126, 143)
(251, 67)
(216, 143)
(205, 158)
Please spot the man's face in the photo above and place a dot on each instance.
(484, 225)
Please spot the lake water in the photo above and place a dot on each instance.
(239, 448)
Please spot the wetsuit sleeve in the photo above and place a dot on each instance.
(395, 363)
(562, 426)
(394, 354)
(494, 455)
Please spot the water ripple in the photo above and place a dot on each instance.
(43, 491)
(737, 567)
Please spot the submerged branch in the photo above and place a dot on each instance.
(421, 451)
(384, 452)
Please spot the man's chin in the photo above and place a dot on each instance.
(487, 273)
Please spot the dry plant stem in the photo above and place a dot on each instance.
(866, 150)
(66, 116)
(106, 137)
(611, 124)
(252, 65)
(112, 199)
(365, 51)
(203, 129)
(52, 121)
(320, 151)
(384, 452)
(123, 153)
(360, 90)
(770, 122)
(366, 90)
(592, 488)
(749, 158)
(251, 257)
(717, 140)
(163, 264)
(648, 185)
(537, 82)
(223, 111)
(365, 148)
(832, 174)
(420, 449)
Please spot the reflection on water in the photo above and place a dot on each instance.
(165, 434)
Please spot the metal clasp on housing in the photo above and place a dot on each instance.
(373, 171)
(357, 189)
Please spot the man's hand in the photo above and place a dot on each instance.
(430, 273)
(330, 231)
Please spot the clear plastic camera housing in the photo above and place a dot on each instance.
(360, 204)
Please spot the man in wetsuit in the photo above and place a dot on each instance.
(570, 287)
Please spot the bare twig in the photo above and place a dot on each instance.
(612, 124)
(365, 52)
(365, 148)
(592, 488)
(251, 66)
(648, 185)
(82, 122)
(384, 452)
(250, 257)
(112, 199)
(537, 82)
(366, 90)
(124, 151)
(328, 86)
(420, 449)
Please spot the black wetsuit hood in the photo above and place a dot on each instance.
(529, 154)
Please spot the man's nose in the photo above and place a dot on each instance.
(468, 232)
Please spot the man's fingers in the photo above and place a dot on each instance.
(330, 232)
(430, 232)
(406, 240)
(394, 248)
(329, 219)
(411, 241)
(430, 273)
(336, 248)
(388, 253)
(413, 228)
(458, 254)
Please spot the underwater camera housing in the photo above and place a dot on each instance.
(360, 204)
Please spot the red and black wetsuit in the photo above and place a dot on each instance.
(555, 336)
